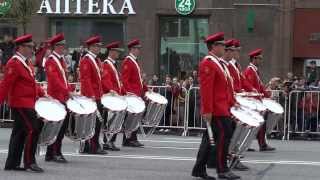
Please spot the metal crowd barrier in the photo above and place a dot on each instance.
(193, 117)
(303, 113)
(175, 113)
(281, 127)
(183, 111)
(5, 114)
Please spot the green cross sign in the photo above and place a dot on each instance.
(5, 6)
(185, 7)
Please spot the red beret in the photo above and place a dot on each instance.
(134, 44)
(229, 44)
(236, 43)
(255, 53)
(57, 39)
(215, 38)
(93, 40)
(23, 39)
(114, 46)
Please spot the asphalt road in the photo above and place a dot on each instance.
(169, 158)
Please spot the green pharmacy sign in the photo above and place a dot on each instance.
(185, 7)
(5, 6)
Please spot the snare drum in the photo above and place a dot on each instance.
(156, 106)
(135, 111)
(82, 119)
(53, 113)
(273, 106)
(246, 128)
(116, 107)
(251, 103)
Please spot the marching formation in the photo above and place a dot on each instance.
(234, 104)
(108, 103)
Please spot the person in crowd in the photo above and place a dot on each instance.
(7, 48)
(312, 75)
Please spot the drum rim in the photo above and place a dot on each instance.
(52, 100)
(149, 95)
(120, 98)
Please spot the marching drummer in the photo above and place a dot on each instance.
(111, 84)
(58, 88)
(21, 90)
(251, 74)
(233, 68)
(133, 83)
(240, 84)
(90, 80)
(216, 93)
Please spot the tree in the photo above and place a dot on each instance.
(22, 11)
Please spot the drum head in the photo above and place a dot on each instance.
(135, 104)
(50, 109)
(244, 116)
(273, 106)
(81, 105)
(250, 103)
(259, 105)
(256, 115)
(114, 102)
(156, 97)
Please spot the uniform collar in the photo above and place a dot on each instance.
(233, 61)
(254, 66)
(111, 60)
(57, 55)
(92, 54)
(133, 56)
(223, 61)
(22, 56)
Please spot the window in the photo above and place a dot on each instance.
(181, 44)
(77, 30)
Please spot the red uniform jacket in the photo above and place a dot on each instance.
(252, 76)
(239, 82)
(18, 85)
(110, 78)
(40, 55)
(131, 77)
(216, 90)
(58, 86)
(90, 77)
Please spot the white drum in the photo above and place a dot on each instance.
(273, 106)
(251, 103)
(247, 125)
(116, 107)
(156, 106)
(135, 109)
(53, 113)
(82, 121)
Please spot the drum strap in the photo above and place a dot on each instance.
(255, 69)
(222, 67)
(233, 64)
(91, 57)
(138, 67)
(18, 56)
(115, 71)
(63, 73)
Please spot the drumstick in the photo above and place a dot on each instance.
(210, 133)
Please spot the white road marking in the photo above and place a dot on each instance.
(169, 147)
(177, 142)
(177, 158)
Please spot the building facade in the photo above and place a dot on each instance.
(287, 30)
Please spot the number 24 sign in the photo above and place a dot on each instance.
(185, 7)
